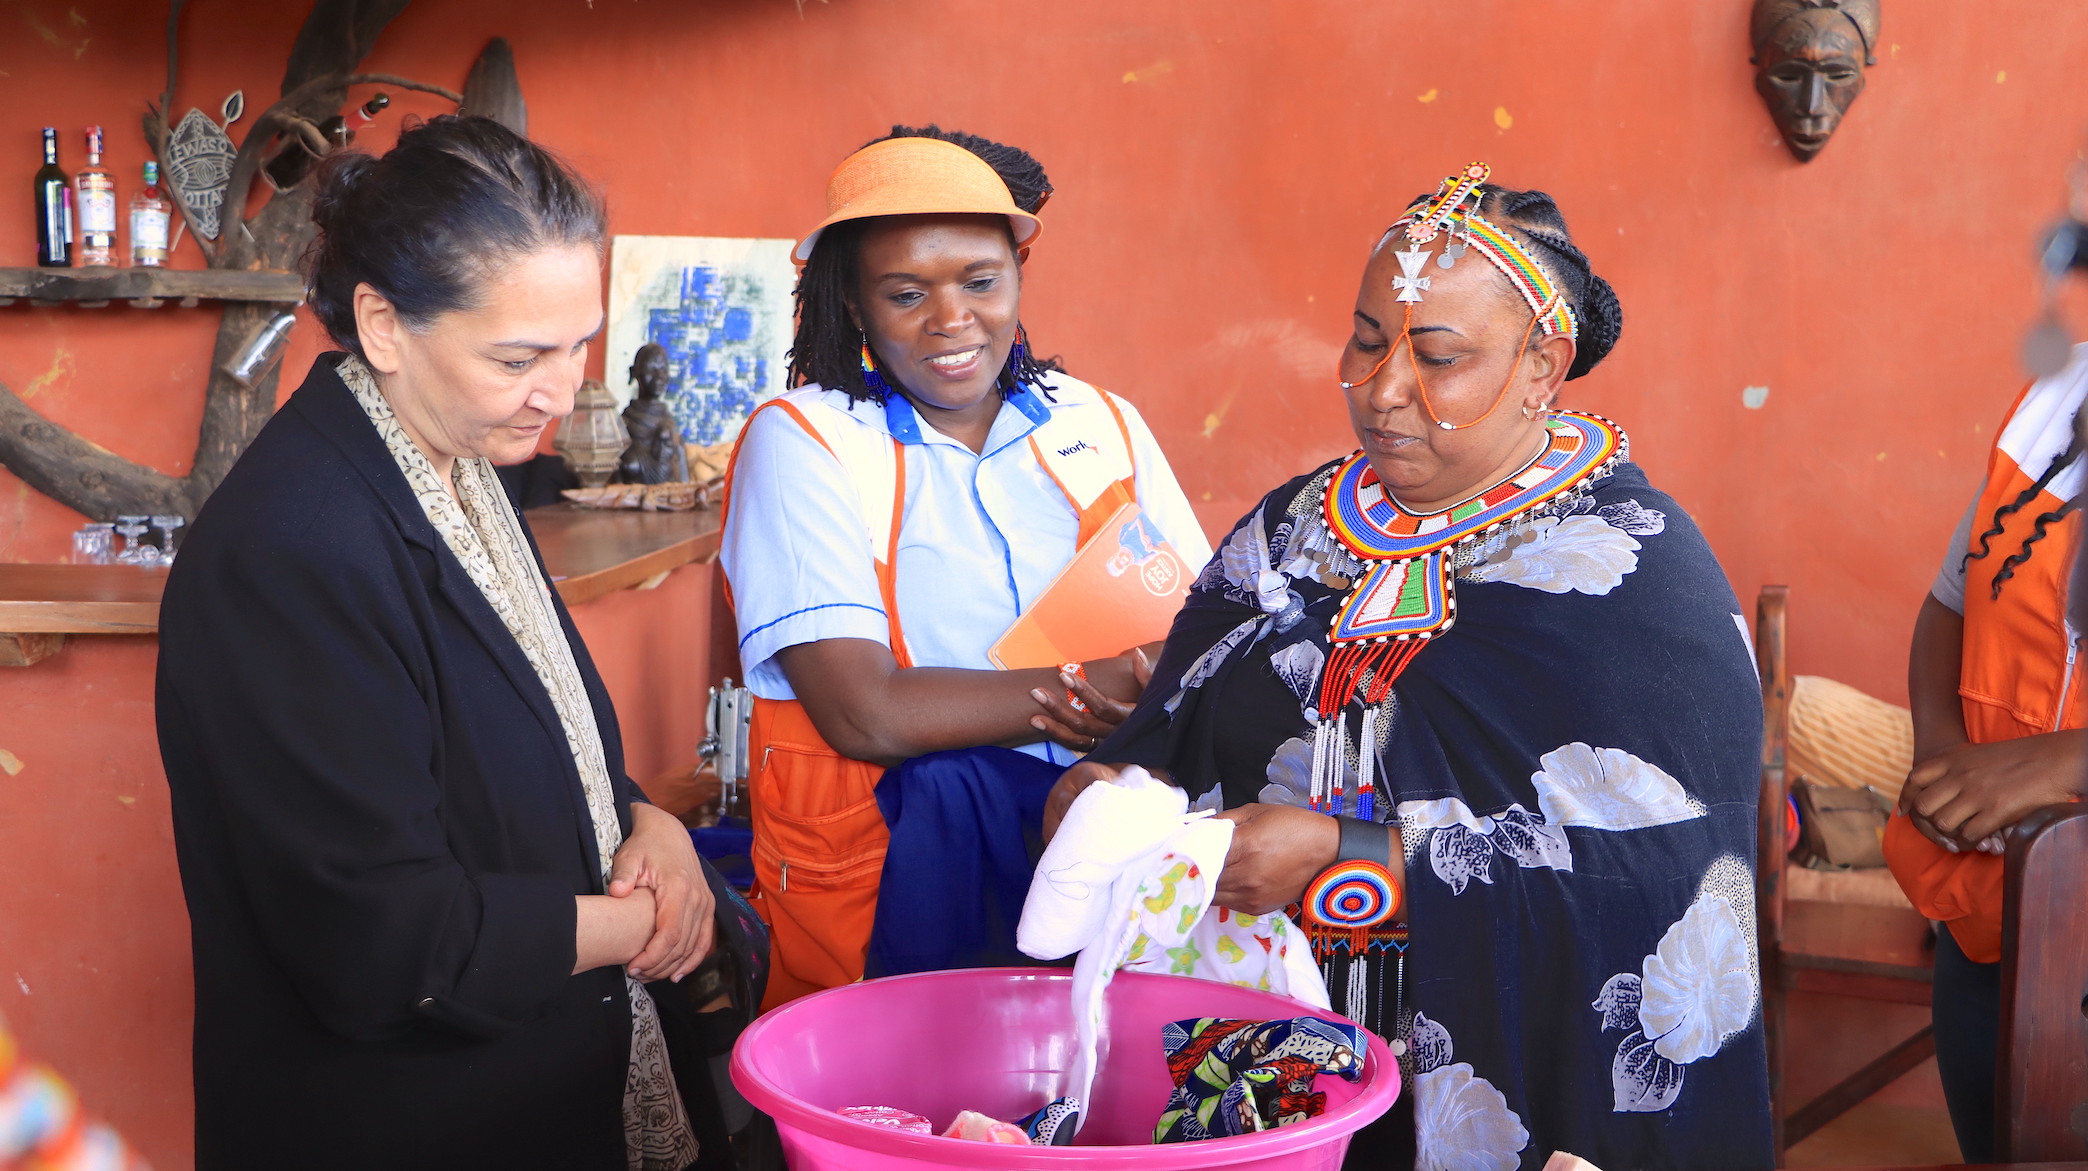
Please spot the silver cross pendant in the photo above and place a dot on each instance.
(1410, 282)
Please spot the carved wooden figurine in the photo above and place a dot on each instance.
(1809, 58)
(656, 454)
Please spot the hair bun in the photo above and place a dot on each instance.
(1601, 322)
(335, 185)
(428, 222)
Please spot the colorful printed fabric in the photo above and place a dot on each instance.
(1054, 1125)
(1239, 1077)
(1128, 882)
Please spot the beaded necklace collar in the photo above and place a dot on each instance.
(1407, 594)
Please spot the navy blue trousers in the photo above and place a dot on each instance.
(967, 828)
(1966, 1009)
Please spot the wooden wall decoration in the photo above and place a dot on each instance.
(493, 91)
(1809, 58)
(334, 39)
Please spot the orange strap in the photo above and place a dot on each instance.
(888, 569)
(732, 466)
(1112, 498)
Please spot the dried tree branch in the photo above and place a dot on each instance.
(158, 126)
(303, 128)
(85, 476)
(275, 120)
(174, 8)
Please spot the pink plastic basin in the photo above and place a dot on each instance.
(997, 1040)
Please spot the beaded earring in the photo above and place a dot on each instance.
(1016, 354)
(872, 380)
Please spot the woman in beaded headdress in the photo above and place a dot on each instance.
(1513, 674)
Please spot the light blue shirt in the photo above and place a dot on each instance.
(981, 537)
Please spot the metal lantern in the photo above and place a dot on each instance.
(593, 437)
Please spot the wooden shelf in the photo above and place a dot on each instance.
(589, 553)
(146, 288)
(80, 599)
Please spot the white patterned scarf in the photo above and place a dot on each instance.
(481, 528)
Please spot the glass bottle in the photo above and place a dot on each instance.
(295, 159)
(53, 208)
(96, 204)
(150, 214)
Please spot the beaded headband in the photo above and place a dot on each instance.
(1470, 230)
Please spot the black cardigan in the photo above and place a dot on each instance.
(380, 831)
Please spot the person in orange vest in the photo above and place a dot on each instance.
(1995, 685)
(888, 521)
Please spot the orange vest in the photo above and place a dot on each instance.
(2021, 675)
(819, 837)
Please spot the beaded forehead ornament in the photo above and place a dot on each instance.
(1470, 230)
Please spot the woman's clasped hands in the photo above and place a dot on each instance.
(1963, 797)
(659, 858)
(1099, 714)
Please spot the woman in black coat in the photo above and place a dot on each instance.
(396, 775)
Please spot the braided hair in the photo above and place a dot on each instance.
(2044, 520)
(827, 348)
(1020, 170)
(1538, 222)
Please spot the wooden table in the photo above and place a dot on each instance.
(590, 552)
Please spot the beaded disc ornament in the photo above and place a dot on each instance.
(1353, 896)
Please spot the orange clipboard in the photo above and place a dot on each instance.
(1120, 591)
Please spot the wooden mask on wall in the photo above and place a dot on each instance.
(1810, 57)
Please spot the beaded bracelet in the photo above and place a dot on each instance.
(1078, 672)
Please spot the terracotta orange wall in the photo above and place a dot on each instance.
(1222, 166)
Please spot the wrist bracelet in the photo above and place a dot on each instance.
(1364, 841)
(1078, 672)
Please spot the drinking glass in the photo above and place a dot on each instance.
(131, 528)
(94, 544)
(166, 526)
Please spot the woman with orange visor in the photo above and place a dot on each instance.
(889, 522)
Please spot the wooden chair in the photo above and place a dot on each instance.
(1844, 949)
(2042, 1092)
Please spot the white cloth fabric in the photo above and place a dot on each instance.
(480, 527)
(982, 537)
(1127, 882)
